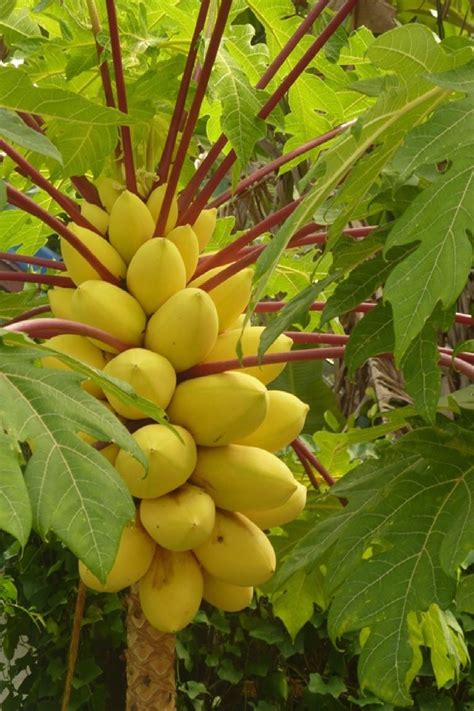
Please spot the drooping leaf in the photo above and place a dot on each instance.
(371, 336)
(74, 491)
(14, 129)
(294, 604)
(15, 508)
(459, 79)
(437, 270)
(465, 594)
(422, 374)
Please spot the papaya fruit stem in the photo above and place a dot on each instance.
(74, 644)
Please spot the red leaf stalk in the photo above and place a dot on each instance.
(180, 103)
(30, 121)
(34, 278)
(30, 313)
(87, 189)
(70, 208)
(19, 199)
(49, 327)
(458, 364)
(193, 185)
(193, 115)
(103, 64)
(38, 261)
(272, 166)
(130, 178)
(302, 449)
(235, 267)
(231, 250)
(306, 466)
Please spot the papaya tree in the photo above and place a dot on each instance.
(137, 426)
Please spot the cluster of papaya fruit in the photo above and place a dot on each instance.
(214, 483)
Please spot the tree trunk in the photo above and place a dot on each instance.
(150, 656)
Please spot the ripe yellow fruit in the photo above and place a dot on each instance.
(171, 591)
(131, 224)
(278, 516)
(155, 273)
(60, 301)
(110, 452)
(241, 478)
(231, 297)
(204, 227)
(237, 552)
(285, 419)
(134, 557)
(184, 238)
(171, 461)
(224, 596)
(217, 409)
(109, 190)
(184, 329)
(79, 268)
(226, 344)
(180, 520)
(154, 204)
(80, 348)
(150, 374)
(96, 216)
(105, 306)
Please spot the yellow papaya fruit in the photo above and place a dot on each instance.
(184, 329)
(238, 323)
(237, 552)
(239, 477)
(154, 204)
(60, 301)
(110, 452)
(80, 348)
(96, 216)
(224, 596)
(217, 409)
(231, 297)
(79, 268)
(134, 557)
(105, 306)
(171, 591)
(204, 227)
(180, 520)
(171, 460)
(225, 348)
(109, 190)
(284, 421)
(278, 516)
(155, 273)
(184, 238)
(130, 225)
(150, 374)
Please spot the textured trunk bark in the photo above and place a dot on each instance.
(150, 656)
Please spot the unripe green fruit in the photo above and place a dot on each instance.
(237, 552)
(155, 273)
(278, 516)
(240, 478)
(204, 227)
(154, 204)
(134, 556)
(171, 460)
(171, 591)
(109, 190)
(217, 409)
(184, 329)
(231, 297)
(151, 375)
(180, 520)
(224, 596)
(184, 238)
(79, 268)
(80, 348)
(225, 348)
(96, 216)
(105, 306)
(131, 224)
(283, 423)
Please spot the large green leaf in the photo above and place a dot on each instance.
(422, 374)
(438, 220)
(15, 509)
(395, 549)
(74, 491)
(14, 129)
(12, 305)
